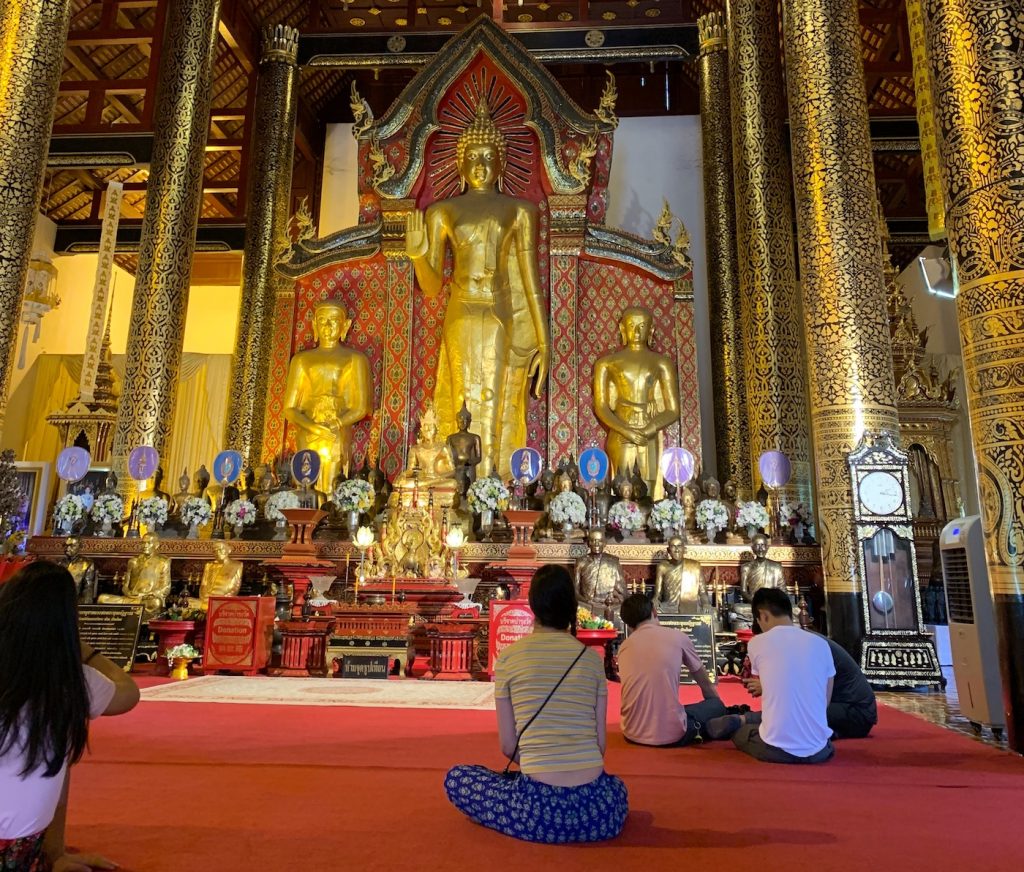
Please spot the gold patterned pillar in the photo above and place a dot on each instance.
(773, 351)
(976, 52)
(732, 441)
(173, 201)
(32, 36)
(270, 183)
(843, 281)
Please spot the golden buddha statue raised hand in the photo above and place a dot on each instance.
(678, 588)
(148, 580)
(222, 576)
(329, 389)
(636, 396)
(495, 333)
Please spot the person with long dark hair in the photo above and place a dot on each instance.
(51, 684)
(551, 699)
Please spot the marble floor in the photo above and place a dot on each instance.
(941, 708)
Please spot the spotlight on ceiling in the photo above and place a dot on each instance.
(939, 274)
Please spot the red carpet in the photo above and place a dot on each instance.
(186, 786)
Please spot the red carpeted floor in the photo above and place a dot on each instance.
(187, 786)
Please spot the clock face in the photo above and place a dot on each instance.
(881, 493)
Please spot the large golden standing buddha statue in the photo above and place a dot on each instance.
(495, 334)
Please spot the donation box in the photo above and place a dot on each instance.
(239, 633)
(510, 621)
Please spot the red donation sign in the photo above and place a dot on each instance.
(510, 621)
(230, 625)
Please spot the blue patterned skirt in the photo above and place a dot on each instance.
(536, 812)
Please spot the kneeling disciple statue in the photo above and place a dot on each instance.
(148, 580)
(678, 588)
(222, 576)
(329, 389)
(600, 581)
(636, 396)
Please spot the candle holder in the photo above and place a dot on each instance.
(363, 539)
(455, 539)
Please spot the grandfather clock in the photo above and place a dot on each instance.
(896, 652)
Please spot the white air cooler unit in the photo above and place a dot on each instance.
(972, 625)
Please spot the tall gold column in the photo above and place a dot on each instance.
(977, 65)
(32, 37)
(732, 439)
(173, 201)
(270, 183)
(843, 281)
(769, 305)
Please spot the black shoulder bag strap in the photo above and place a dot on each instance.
(512, 757)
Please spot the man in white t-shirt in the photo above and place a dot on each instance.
(795, 672)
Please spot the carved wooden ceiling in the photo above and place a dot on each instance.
(111, 59)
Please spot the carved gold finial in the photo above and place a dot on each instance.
(382, 169)
(303, 222)
(681, 247)
(280, 43)
(711, 29)
(662, 231)
(428, 418)
(362, 114)
(579, 166)
(605, 111)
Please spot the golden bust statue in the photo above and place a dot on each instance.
(600, 582)
(82, 570)
(222, 576)
(760, 572)
(495, 333)
(429, 466)
(329, 389)
(148, 580)
(678, 588)
(636, 396)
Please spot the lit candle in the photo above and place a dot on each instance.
(392, 588)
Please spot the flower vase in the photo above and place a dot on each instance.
(798, 533)
(280, 529)
(238, 530)
(353, 523)
(751, 532)
(180, 670)
(486, 524)
(567, 527)
(193, 531)
(668, 533)
(712, 531)
(106, 528)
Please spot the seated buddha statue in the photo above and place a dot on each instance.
(154, 489)
(148, 580)
(546, 528)
(678, 588)
(222, 576)
(429, 467)
(755, 574)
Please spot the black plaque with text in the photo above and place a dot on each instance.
(365, 666)
(113, 630)
(701, 632)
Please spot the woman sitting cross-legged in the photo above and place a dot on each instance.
(51, 684)
(551, 698)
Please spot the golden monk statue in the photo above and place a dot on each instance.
(148, 580)
(82, 570)
(222, 576)
(430, 462)
(760, 572)
(678, 588)
(329, 389)
(600, 582)
(636, 396)
(495, 333)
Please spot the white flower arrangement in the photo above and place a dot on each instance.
(353, 495)
(153, 512)
(285, 499)
(69, 509)
(712, 513)
(108, 507)
(195, 512)
(567, 506)
(185, 650)
(487, 494)
(795, 513)
(240, 513)
(667, 513)
(752, 514)
(626, 516)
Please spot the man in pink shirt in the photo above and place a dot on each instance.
(650, 660)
